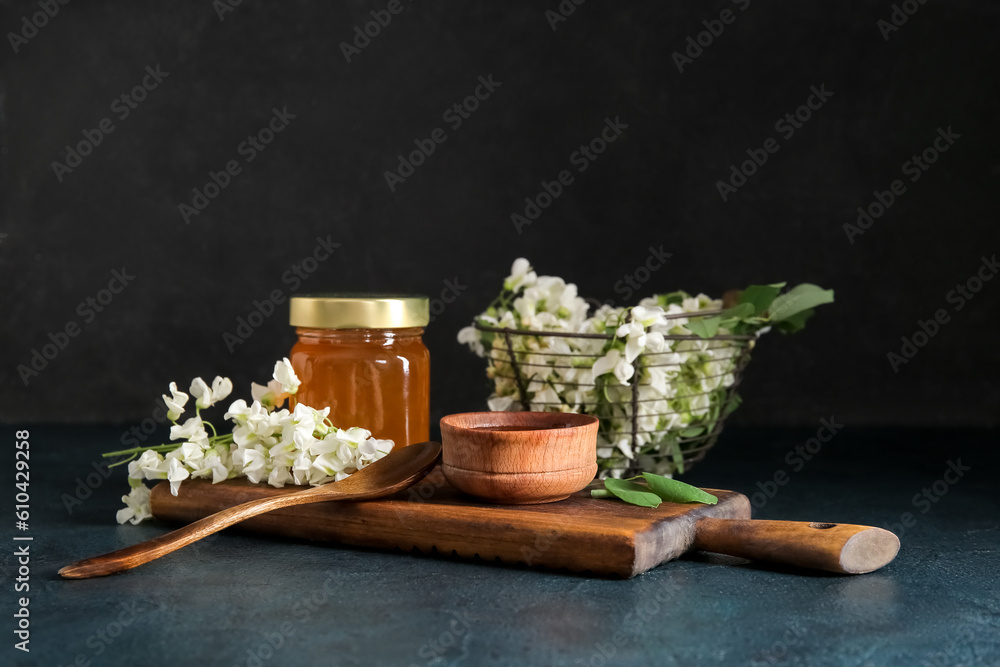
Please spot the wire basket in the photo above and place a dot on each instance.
(674, 449)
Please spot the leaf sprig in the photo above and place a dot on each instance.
(763, 305)
(656, 490)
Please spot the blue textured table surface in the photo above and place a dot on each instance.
(243, 600)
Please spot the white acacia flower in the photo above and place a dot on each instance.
(175, 402)
(303, 471)
(270, 395)
(520, 275)
(367, 450)
(655, 342)
(691, 304)
(525, 308)
(191, 452)
(260, 426)
(221, 388)
(303, 420)
(176, 474)
(470, 336)
(625, 448)
(546, 399)
(347, 453)
(382, 447)
(283, 453)
(648, 316)
(202, 393)
(150, 465)
(331, 464)
(212, 465)
(286, 377)
(507, 321)
(192, 430)
(305, 442)
(700, 405)
(137, 507)
(614, 362)
(328, 444)
(273, 445)
(208, 396)
(254, 458)
(354, 435)
(320, 417)
(657, 381)
(238, 412)
(500, 403)
(636, 339)
(279, 476)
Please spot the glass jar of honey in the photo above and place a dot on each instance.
(364, 357)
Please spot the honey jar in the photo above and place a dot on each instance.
(363, 355)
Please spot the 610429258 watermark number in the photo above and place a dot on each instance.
(22, 551)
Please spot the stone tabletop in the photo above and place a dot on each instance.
(251, 601)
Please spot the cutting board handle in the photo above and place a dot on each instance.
(833, 547)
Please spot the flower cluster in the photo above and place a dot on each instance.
(683, 374)
(268, 443)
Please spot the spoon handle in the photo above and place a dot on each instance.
(134, 556)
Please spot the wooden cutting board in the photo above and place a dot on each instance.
(580, 534)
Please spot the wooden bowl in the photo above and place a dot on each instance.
(519, 458)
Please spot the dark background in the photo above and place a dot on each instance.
(450, 221)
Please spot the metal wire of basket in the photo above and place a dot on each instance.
(685, 451)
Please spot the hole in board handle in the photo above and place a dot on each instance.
(822, 526)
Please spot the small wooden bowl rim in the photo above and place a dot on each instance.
(467, 421)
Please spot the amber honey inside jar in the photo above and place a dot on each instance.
(364, 357)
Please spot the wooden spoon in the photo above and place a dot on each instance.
(400, 469)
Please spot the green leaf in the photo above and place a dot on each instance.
(798, 299)
(487, 338)
(692, 432)
(795, 322)
(603, 384)
(671, 298)
(632, 493)
(706, 327)
(732, 405)
(739, 311)
(760, 296)
(678, 456)
(677, 492)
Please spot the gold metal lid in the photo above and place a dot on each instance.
(359, 311)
